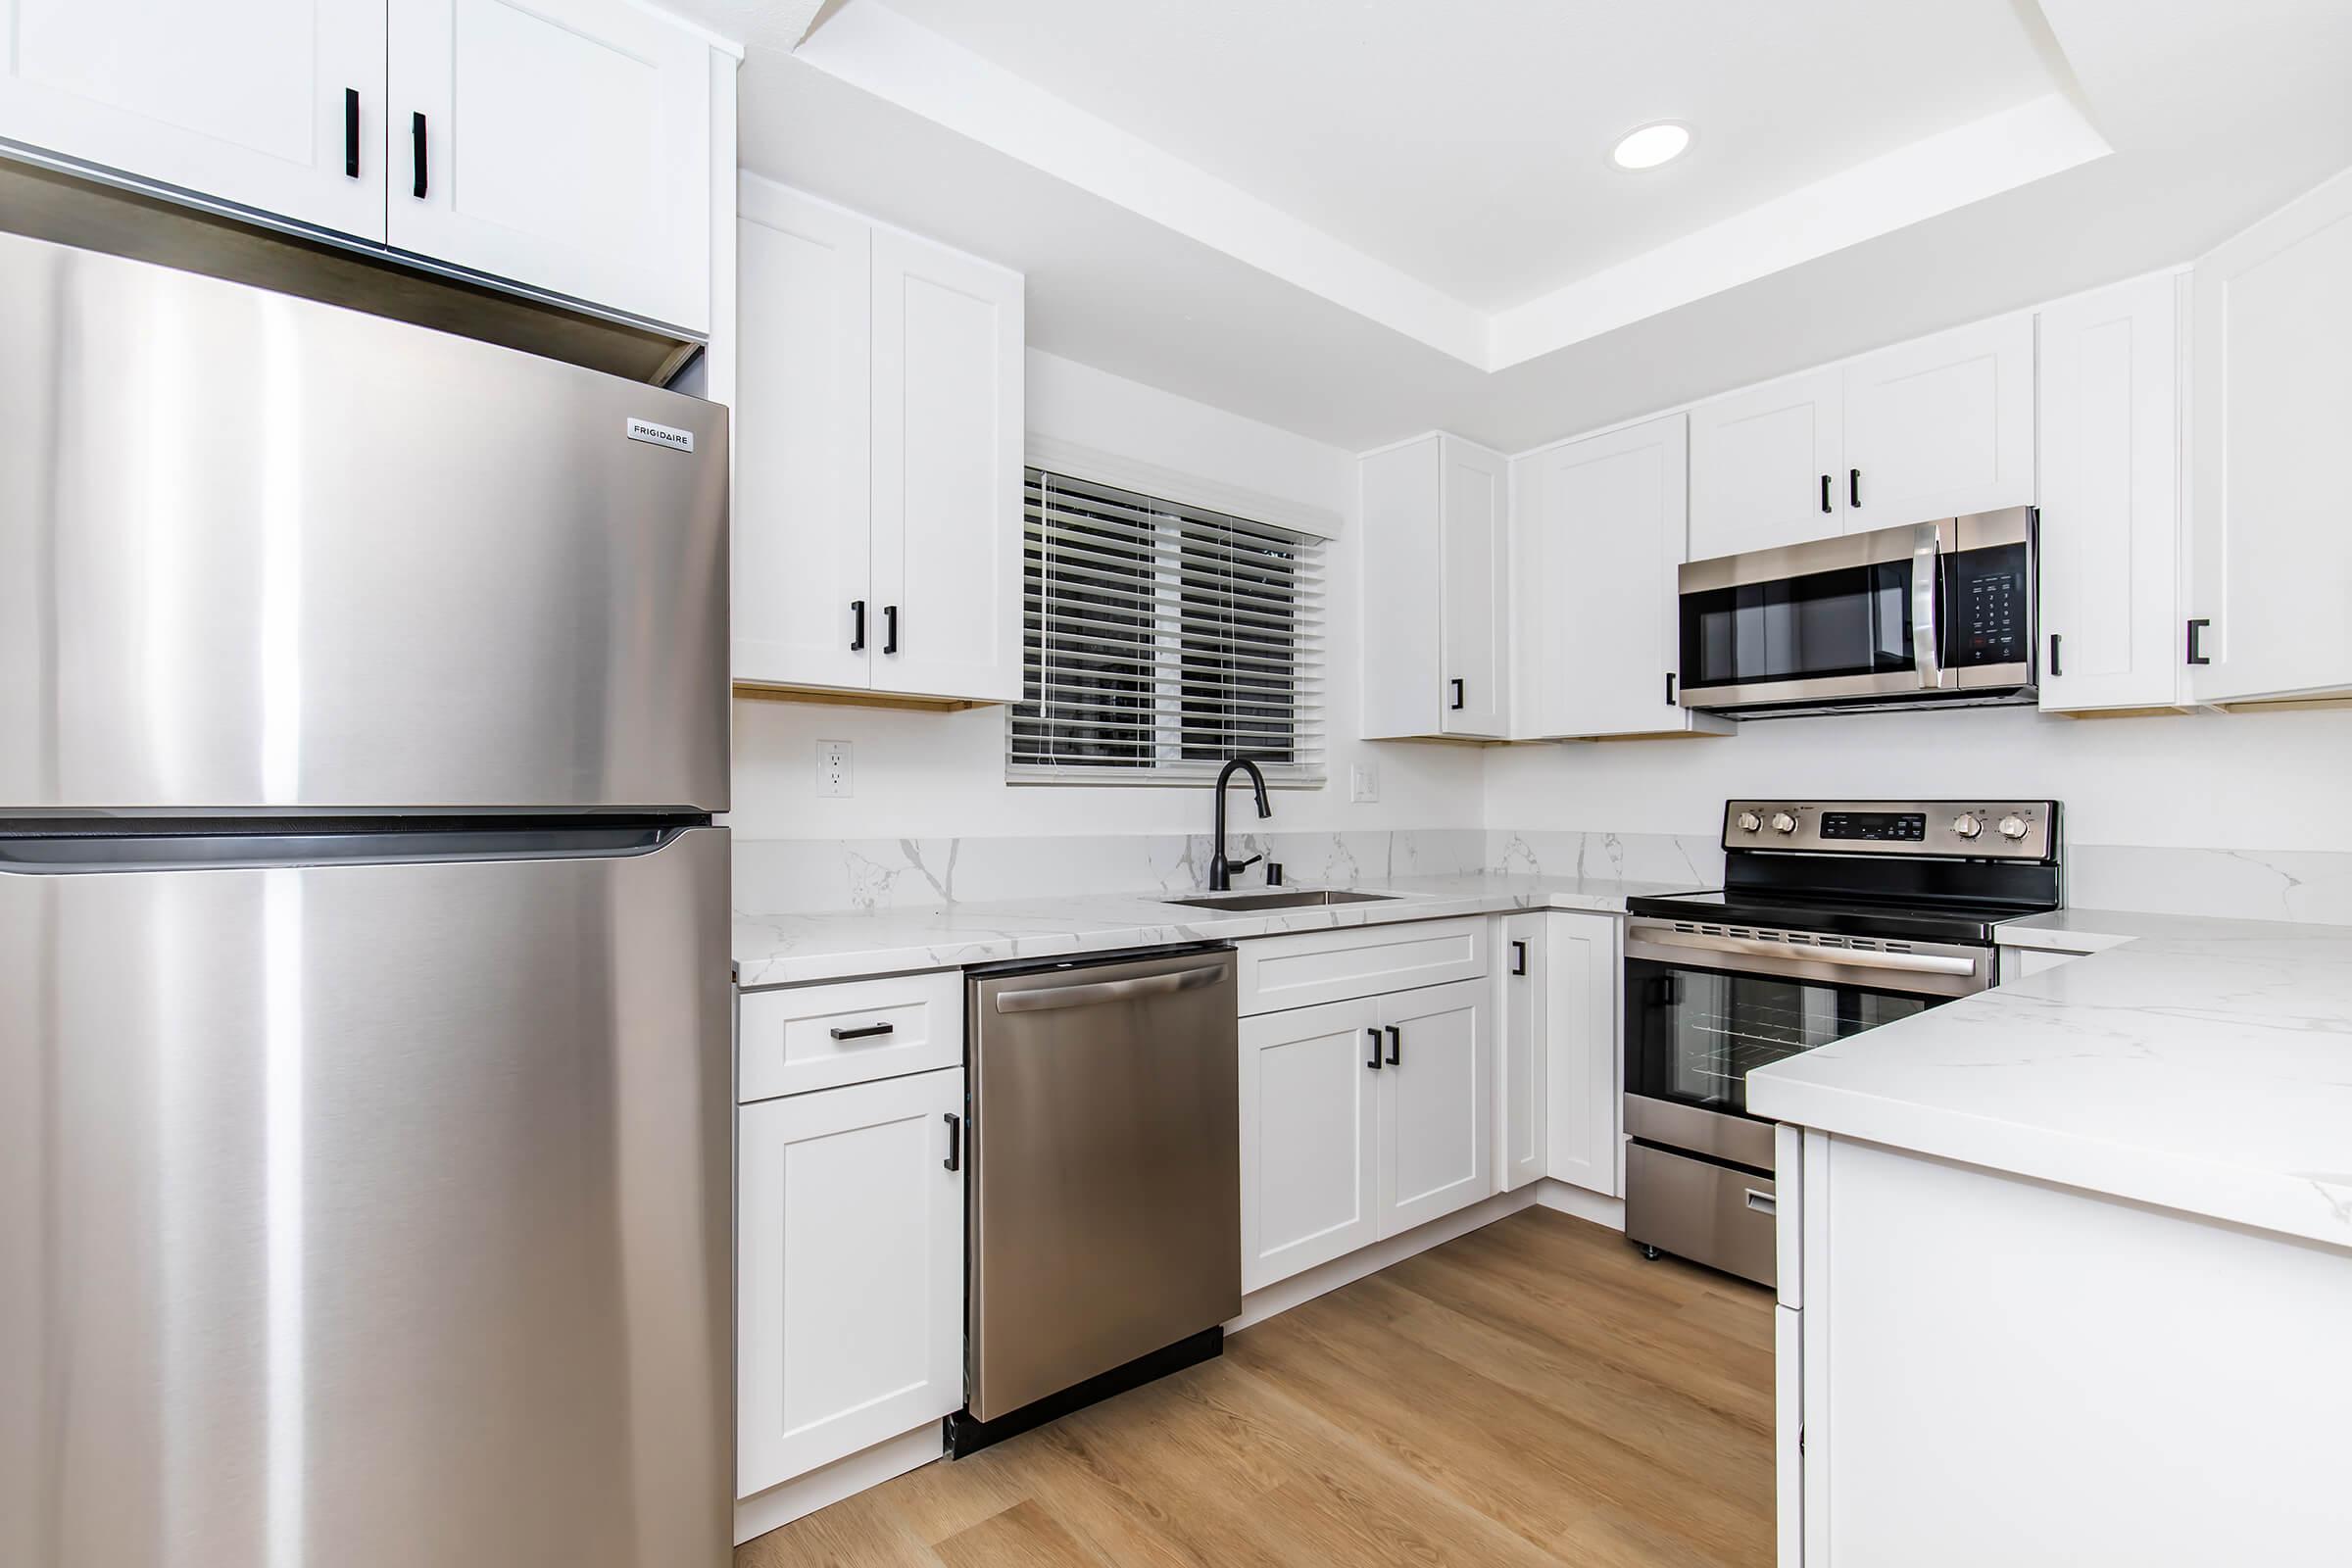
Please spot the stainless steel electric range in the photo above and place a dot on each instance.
(1836, 916)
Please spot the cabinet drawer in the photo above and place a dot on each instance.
(1313, 967)
(821, 1037)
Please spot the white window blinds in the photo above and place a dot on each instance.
(1161, 639)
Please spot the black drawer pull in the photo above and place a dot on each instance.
(1518, 957)
(1853, 487)
(1457, 694)
(955, 1160)
(863, 1031)
(856, 626)
(1374, 1064)
(890, 628)
(1669, 687)
(417, 152)
(1825, 492)
(1396, 1046)
(2057, 671)
(351, 132)
(2196, 652)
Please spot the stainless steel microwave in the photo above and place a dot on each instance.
(1930, 614)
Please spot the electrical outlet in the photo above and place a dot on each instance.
(1363, 781)
(833, 767)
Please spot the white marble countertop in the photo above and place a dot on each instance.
(772, 950)
(2202, 1065)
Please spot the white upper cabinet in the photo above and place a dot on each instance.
(1600, 532)
(1937, 428)
(804, 608)
(878, 429)
(275, 104)
(947, 377)
(1764, 465)
(564, 144)
(1941, 427)
(2111, 498)
(2271, 516)
(1436, 597)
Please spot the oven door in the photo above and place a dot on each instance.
(1703, 1007)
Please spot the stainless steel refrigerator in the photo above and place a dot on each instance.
(364, 983)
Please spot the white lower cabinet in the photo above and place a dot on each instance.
(849, 1271)
(1582, 1105)
(1435, 1122)
(1361, 1119)
(1520, 1053)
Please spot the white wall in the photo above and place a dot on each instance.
(2270, 780)
(924, 774)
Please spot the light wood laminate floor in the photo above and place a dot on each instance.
(1533, 1393)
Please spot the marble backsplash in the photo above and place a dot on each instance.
(795, 876)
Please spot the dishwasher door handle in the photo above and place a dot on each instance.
(1096, 992)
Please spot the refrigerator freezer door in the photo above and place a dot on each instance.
(265, 556)
(368, 1214)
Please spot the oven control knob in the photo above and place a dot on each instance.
(1968, 824)
(2013, 827)
(1750, 822)
(1783, 822)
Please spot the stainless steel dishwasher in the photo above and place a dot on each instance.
(1104, 1242)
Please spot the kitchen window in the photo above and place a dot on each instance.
(1160, 638)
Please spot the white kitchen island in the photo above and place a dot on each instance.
(2066, 1273)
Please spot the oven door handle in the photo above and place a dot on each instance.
(1853, 957)
(1927, 603)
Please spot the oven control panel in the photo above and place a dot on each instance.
(1985, 830)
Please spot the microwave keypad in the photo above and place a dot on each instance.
(1992, 614)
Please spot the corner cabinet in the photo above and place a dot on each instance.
(1583, 976)
(2110, 445)
(1436, 591)
(1598, 529)
(563, 146)
(2271, 532)
(1937, 427)
(878, 429)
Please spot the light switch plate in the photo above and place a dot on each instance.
(1363, 781)
(833, 767)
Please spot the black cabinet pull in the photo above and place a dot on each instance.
(1853, 487)
(351, 132)
(1457, 694)
(2197, 655)
(863, 1031)
(955, 1160)
(856, 626)
(1396, 1045)
(1669, 687)
(1374, 1064)
(890, 628)
(2056, 669)
(1518, 957)
(417, 152)
(1825, 492)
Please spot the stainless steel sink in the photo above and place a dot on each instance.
(1281, 899)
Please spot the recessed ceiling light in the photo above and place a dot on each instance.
(1651, 145)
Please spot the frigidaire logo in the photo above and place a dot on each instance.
(662, 435)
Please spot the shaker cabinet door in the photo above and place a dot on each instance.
(1767, 465)
(849, 1271)
(806, 614)
(1436, 1121)
(1309, 1117)
(274, 105)
(948, 379)
(564, 144)
(1941, 427)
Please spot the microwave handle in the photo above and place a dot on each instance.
(1927, 605)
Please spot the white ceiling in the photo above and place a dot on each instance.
(1467, 144)
(1337, 232)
